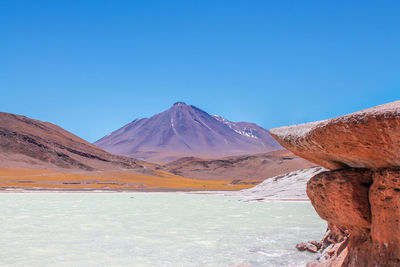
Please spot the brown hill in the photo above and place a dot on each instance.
(29, 143)
(251, 167)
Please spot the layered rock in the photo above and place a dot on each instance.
(360, 196)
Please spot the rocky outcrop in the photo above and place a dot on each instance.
(341, 197)
(384, 195)
(333, 247)
(366, 214)
(360, 196)
(365, 139)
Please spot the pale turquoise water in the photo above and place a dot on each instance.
(153, 229)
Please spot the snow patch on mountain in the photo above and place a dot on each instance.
(247, 131)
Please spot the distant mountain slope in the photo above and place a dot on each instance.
(183, 131)
(251, 167)
(30, 143)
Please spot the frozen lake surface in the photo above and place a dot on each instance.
(153, 229)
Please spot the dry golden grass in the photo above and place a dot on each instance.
(118, 180)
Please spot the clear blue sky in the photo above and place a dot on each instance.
(93, 66)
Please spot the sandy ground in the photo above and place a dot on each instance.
(288, 187)
(41, 180)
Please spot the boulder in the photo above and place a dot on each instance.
(341, 197)
(310, 246)
(366, 139)
(364, 227)
(333, 247)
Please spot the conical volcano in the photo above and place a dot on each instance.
(185, 130)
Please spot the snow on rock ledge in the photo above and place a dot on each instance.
(366, 139)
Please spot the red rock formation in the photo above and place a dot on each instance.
(360, 197)
(341, 197)
(365, 139)
(384, 196)
(333, 247)
(367, 216)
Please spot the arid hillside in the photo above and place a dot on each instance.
(251, 167)
(29, 143)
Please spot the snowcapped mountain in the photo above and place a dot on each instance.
(183, 131)
(245, 128)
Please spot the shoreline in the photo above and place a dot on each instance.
(220, 193)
